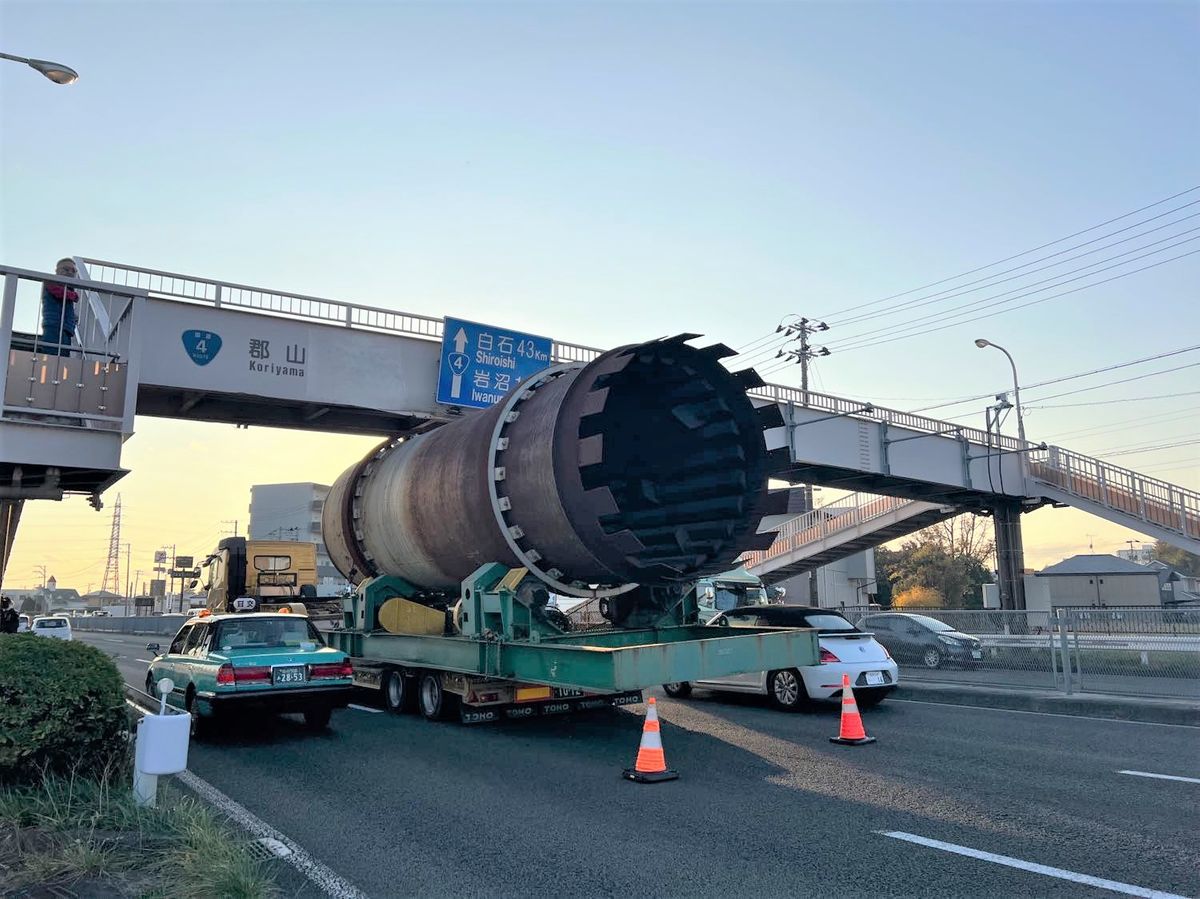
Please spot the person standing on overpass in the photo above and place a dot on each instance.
(58, 311)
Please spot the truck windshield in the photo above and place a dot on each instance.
(730, 596)
(257, 633)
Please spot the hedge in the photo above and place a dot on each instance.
(62, 707)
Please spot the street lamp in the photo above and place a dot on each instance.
(55, 71)
(981, 343)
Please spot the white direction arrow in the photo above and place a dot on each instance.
(460, 344)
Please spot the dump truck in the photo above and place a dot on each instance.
(623, 480)
(243, 575)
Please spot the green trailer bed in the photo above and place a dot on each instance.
(604, 661)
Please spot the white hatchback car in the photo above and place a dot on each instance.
(57, 626)
(844, 650)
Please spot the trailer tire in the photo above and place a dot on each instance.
(436, 704)
(399, 691)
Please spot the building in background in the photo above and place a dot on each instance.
(1143, 554)
(1098, 580)
(293, 512)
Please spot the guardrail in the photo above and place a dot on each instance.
(1158, 502)
(1134, 651)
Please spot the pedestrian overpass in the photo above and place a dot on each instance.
(178, 346)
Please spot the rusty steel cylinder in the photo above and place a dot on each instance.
(647, 465)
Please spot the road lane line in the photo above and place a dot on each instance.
(331, 883)
(323, 877)
(1186, 780)
(363, 708)
(147, 661)
(992, 708)
(1008, 861)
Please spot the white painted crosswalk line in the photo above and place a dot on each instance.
(1008, 861)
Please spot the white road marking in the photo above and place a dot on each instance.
(990, 708)
(328, 881)
(323, 877)
(1008, 861)
(1186, 780)
(147, 661)
(363, 708)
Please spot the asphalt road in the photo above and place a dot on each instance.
(766, 805)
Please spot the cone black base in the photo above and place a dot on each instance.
(859, 742)
(649, 778)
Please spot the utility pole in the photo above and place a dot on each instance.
(41, 569)
(128, 577)
(804, 357)
(232, 521)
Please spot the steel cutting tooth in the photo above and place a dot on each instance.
(718, 351)
(679, 338)
(779, 460)
(769, 417)
(775, 502)
(757, 542)
(594, 402)
(600, 502)
(591, 450)
(748, 379)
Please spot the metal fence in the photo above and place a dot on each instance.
(1135, 651)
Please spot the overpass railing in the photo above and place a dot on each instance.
(243, 297)
(1158, 502)
(846, 514)
(72, 376)
(856, 408)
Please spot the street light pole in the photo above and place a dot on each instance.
(981, 343)
(55, 71)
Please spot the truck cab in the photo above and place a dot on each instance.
(730, 590)
(259, 575)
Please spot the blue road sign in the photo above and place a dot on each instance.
(481, 363)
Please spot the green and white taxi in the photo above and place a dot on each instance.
(260, 662)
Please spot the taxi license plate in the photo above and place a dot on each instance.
(976, 654)
(289, 674)
(874, 678)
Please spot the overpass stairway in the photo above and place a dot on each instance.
(840, 529)
(1160, 509)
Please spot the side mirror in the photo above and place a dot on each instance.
(192, 585)
(154, 648)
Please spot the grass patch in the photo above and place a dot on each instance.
(89, 836)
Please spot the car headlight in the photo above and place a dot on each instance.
(949, 641)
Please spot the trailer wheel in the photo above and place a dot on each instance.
(399, 692)
(436, 703)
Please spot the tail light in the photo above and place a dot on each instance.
(225, 674)
(253, 674)
(827, 656)
(337, 669)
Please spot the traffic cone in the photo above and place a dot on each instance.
(851, 732)
(651, 766)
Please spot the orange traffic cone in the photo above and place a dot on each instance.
(651, 766)
(851, 731)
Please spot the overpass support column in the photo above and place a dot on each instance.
(1010, 554)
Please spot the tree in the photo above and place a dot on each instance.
(948, 558)
(1180, 559)
(918, 598)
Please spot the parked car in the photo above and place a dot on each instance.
(919, 638)
(23, 624)
(844, 650)
(262, 662)
(57, 626)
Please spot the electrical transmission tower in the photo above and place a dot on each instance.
(112, 572)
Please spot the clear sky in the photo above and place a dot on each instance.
(607, 172)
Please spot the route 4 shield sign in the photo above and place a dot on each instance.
(481, 363)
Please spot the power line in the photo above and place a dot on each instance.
(1149, 449)
(921, 331)
(981, 268)
(1160, 418)
(991, 280)
(917, 324)
(1059, 380)
(1165, 371)
(1128, 399)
